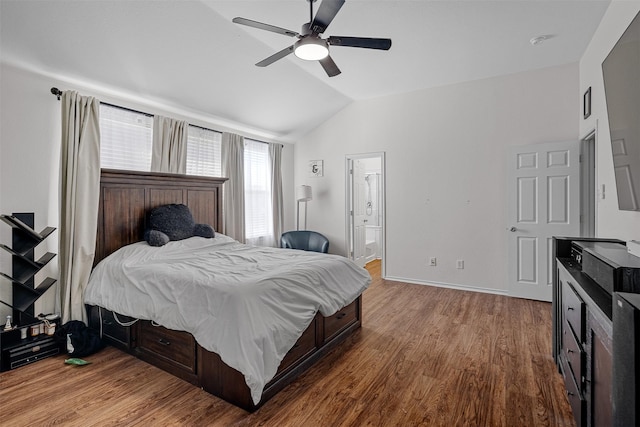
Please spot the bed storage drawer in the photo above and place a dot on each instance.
(305, 344)
(103, 320)
(341, 319)
(174, 347)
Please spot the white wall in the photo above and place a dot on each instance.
(29, 159)
(445, 168)
(610, 222)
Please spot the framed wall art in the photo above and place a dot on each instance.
(586, 103)
(316, 168)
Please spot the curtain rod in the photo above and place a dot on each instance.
(213, 130)
(126, 109)
(58, 93)
(263, 142)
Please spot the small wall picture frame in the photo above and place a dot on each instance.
(316, 168)
(586, 103)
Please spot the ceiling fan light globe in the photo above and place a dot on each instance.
(311, 49)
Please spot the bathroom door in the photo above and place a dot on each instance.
(358, 212)
(543, 201)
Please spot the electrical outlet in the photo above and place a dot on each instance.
(432, 261)
(460, 264)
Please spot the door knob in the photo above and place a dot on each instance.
(513, 229)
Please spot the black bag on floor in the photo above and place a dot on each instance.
(80, 340)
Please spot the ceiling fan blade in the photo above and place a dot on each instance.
(330, 67)
(325, 14)
(273, 58)
(366, 42)
(263, 26)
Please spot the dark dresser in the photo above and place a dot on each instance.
(588, 274)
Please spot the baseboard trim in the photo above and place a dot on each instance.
(448, 285)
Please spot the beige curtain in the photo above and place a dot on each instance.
(79, 196)
(275, 158)
(233, 194)
(169, 145)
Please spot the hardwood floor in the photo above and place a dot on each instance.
(425, 356)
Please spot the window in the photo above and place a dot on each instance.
(127, 143)
(257, 194)
(125, 139)
(204, 152)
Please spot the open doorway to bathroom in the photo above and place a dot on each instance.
(365, 208)
(588, 185)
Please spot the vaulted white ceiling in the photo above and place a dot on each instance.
(189, 54)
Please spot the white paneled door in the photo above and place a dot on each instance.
(544, 201)
(359, 217)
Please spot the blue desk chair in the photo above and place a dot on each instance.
(305, 240)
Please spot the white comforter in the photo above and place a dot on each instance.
(247, 304)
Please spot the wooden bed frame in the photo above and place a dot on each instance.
(125, 199)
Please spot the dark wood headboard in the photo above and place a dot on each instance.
(126, 197)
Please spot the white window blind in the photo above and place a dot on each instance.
(125, 139)
(204, 152)
(257, 193)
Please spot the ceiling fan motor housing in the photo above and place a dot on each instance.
(306, 29)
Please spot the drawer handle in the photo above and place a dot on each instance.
(569, 351)
(341, 315)
(569, 393)
(163, 341)
(570, 308)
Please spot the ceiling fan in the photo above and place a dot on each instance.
(310, 46)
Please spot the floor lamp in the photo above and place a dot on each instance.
(303, 194)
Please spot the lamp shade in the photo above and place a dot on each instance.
(303, 193)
